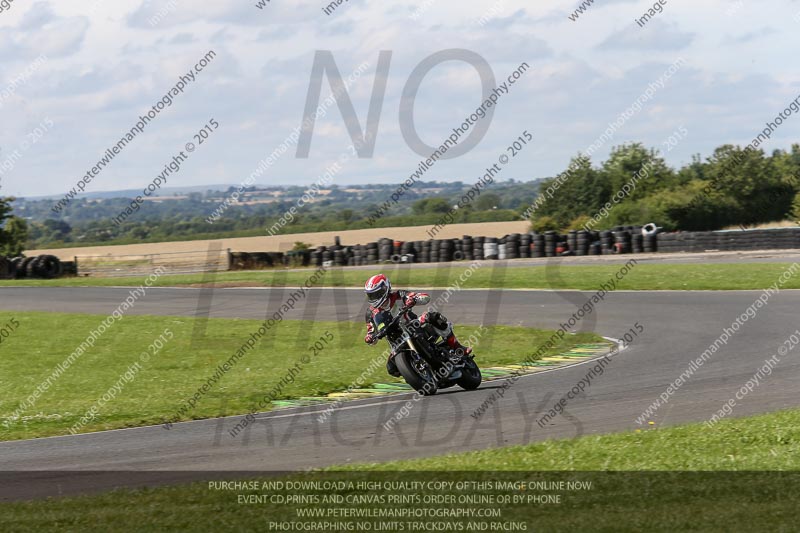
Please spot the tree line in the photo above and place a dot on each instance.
(732, 187)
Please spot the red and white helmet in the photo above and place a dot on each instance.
(377, 289)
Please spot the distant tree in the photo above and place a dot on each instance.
(579, 190)
(579, 222)
(430, 205)
(641, 169)
(544, 223)
(13, 230)
(346, 215)
(57, 230)
(487, 201)
(796, 208)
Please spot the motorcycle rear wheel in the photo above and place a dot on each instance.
(418, 375)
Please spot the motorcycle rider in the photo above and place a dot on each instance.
(380, 296)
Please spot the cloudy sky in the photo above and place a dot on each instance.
(101, 64)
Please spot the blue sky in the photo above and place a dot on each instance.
(106, 64)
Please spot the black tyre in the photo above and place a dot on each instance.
(417, 373)
(52, 266)
(12, 268)
(470, 375)
(27, 267)
(19, 272)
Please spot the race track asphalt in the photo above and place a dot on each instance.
(678, 327)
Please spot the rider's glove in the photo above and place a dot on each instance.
(411, 299)
(370, 339)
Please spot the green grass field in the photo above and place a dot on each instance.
(766, 442)
(158, 389)
(643, 276)
(659, 500)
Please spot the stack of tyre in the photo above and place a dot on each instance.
(490, 248)
(371, 253)
(551, 239)
(622, 241)
(606, 242)
(538, 245)
(467, 248)
(595, 242)
(511, 245)
(331, 256)
(435, 249)
(340, 256)
(637, 241)
(477, 247)
(579, 242)
(40, 266)
(525, 245)
(385, 250)
(649, 238)
(425, 252)
(447, 250)
(572, 241)
(356, 255)
(406, 252)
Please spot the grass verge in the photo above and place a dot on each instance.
(162, 384)
(764, 442)
(643, 276)
(729, 495)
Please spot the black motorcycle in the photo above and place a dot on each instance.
(425, 364)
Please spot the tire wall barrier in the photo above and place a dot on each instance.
(619, 240)
(37, 267)
(732, 240)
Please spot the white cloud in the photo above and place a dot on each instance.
(107, 64)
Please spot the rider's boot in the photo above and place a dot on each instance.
(457, 350)
(445, 331)
(453, 344)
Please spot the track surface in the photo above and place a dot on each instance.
(678, 327)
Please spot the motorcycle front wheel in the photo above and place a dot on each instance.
(417, 372)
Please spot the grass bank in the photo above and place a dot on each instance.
(643, 276)
(153, 392)
(646, 493)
